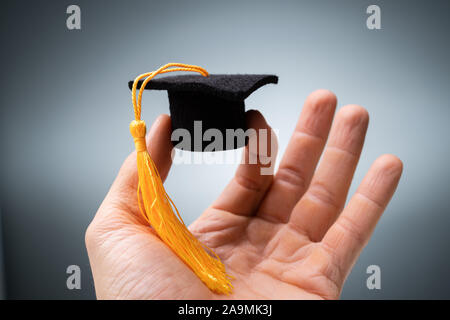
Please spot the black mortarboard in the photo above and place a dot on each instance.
(216, 100)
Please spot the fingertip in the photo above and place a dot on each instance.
(322, 98)
(164, 118)
(382, 179)
(354, 115)
(317, 113)
(324, 93)
(255, 119)
(252, 112)
(163, 121)
(391, 164)
(159, 130)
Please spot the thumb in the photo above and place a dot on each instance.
(122, 194)
(159, 147)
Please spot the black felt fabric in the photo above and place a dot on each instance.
(217, 101)
(213, 112)
(234, 87)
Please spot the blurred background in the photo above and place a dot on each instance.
(65, 109)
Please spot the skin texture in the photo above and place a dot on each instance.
(282, 236)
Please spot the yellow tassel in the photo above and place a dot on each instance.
(157, 207)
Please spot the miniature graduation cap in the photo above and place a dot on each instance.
(217, 100)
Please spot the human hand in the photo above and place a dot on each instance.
(282, 236)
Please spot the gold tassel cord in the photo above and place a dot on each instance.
(157, 207)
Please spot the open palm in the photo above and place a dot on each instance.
(281, 236)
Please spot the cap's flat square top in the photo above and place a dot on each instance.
(228, 86)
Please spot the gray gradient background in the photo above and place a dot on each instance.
(65, 110)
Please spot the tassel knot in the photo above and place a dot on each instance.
(138, 130)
